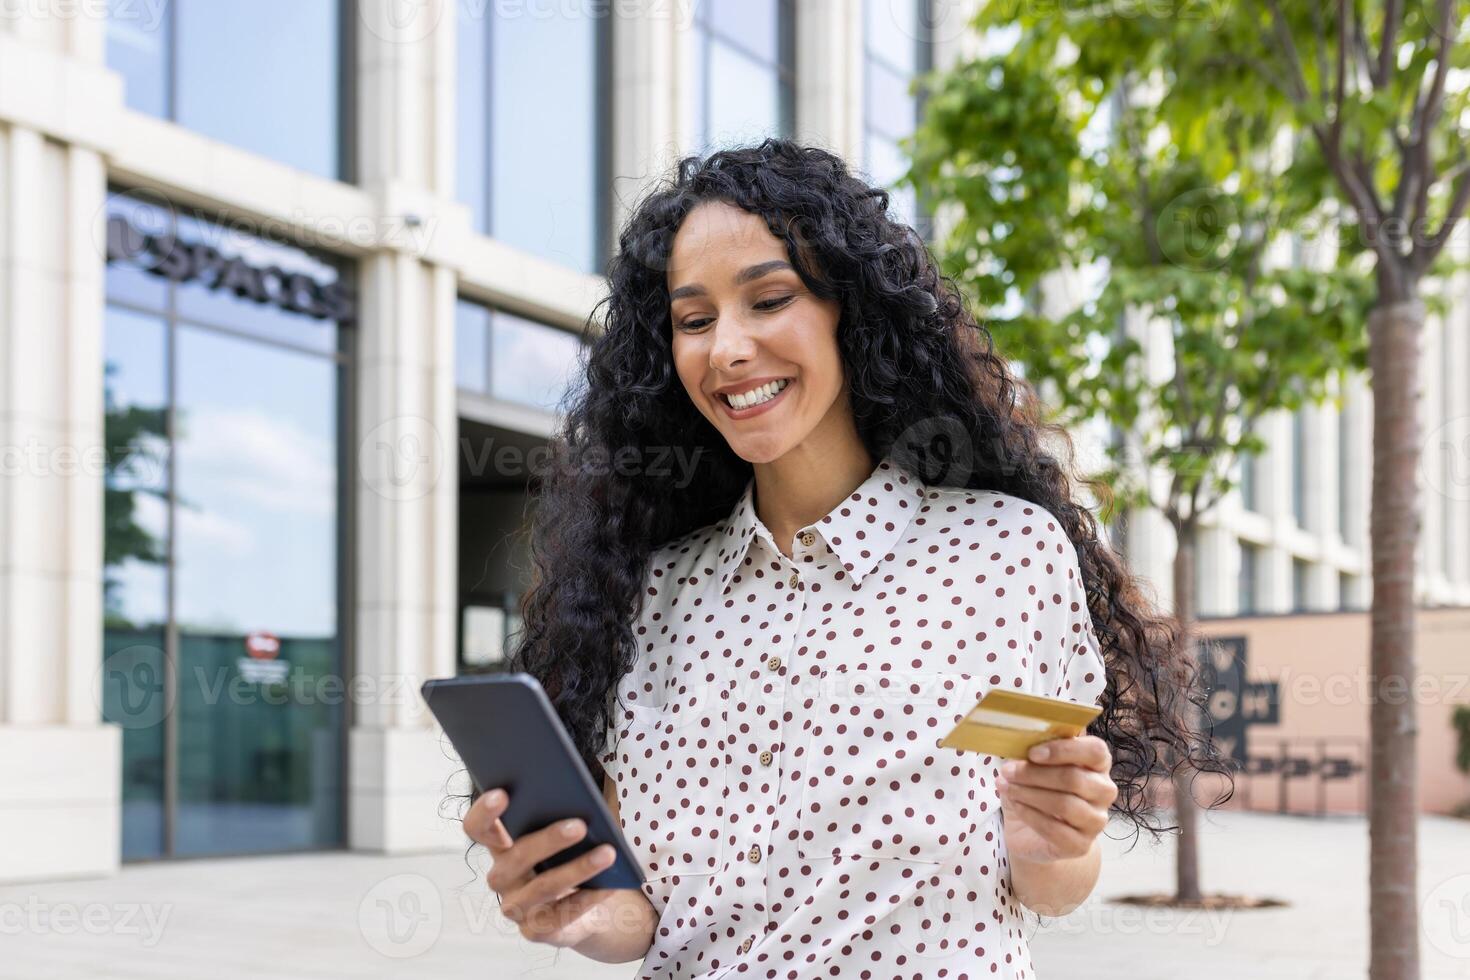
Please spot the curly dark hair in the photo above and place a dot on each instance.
(915, 362)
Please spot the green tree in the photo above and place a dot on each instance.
(1063, 154)
(134, 439)
(1345, 116)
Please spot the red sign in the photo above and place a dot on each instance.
(262, 645)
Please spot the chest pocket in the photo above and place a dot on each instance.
(668, 765)
(876, 782)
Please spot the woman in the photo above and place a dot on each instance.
(801, 519)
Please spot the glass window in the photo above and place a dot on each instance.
(1299, 576)
(743, 56)
(1299, 467)
(1344, 485)
(509, 357)
(1248, 482)
(139, 39)
(264, 76)
(1246, 591)
(532, 114)
(896, 52)
(134, 577)
(222, 541)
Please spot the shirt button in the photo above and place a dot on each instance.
(767, 758)
(745, 946)
(754, 854)
(808, 538)
(795, 580)
(774, 663)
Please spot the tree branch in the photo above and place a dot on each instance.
(1288, 47)
(1386, 46)
(1425, 254)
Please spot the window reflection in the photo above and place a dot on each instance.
(512, 358)
(222, 527)
(263, 75)
(743, 56)
(531, 105)
(895, 53)
(134, 577)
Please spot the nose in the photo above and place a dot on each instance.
(732, 345)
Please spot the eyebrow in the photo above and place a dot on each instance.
(748, 274)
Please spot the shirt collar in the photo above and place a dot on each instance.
(860, 530)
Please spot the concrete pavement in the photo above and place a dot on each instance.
(339, 915)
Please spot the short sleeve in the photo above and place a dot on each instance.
(1069, 662)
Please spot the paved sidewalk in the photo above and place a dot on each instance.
(348, 915)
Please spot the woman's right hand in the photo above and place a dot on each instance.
(616, 924)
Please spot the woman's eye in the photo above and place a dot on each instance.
(765, 304)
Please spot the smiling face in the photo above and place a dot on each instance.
(744, 324)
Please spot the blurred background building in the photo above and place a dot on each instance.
(289, 291)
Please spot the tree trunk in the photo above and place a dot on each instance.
(1393, 362)
(1186, 855)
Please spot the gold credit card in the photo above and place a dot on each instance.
(1008, 723)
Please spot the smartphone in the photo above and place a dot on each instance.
(508, 735)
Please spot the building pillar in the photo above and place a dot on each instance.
(1454, 439)
(405, 476)
(651, 77)
(60, 766)
(829, 75)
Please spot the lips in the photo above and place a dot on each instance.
(752, 410)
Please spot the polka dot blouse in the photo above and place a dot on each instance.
(775, 747)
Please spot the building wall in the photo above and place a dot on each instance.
(66, 133)
(1319, 663)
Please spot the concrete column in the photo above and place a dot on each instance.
(651, 84)
(829, 77)
(59, 765)
(1273, 492)
(1454, 444)
(405, 487)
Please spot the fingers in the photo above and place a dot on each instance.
(1066, 840)
(482, 821)
(1059, 807)
(1097, 788)
(528, 903)
(1087, 751)
(515, 868)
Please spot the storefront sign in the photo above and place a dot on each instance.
(261, 666)
(1234, 703)
(168, 256)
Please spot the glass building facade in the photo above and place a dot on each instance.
(222, 534)
(896, 51)
(532, 111)
(242, 318)
(743, 54)
(265, 76)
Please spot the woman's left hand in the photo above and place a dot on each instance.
(1056, 806)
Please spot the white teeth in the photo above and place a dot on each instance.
(756, 396)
